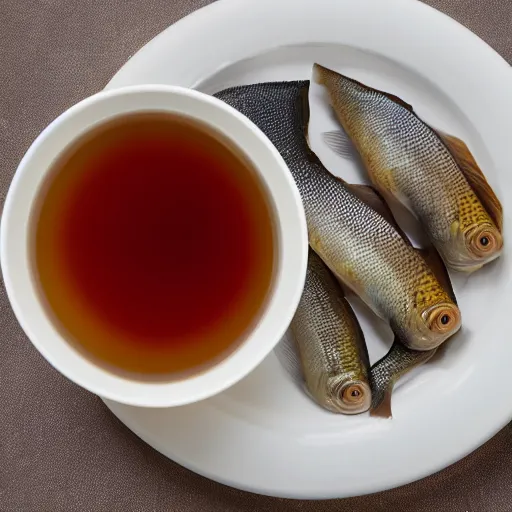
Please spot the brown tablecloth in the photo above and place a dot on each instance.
(60, 448)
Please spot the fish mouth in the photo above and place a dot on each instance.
(351, 397)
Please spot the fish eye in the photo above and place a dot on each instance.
(484, 243)
(353, 394)
(443, 319)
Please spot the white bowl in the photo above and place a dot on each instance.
(16, 258)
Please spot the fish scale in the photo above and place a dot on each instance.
(407, 159)
(331, 344)
(402, 144)
(358, 244)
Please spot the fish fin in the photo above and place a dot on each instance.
(436, 264)
(303, 112)
(339, 142)
(383, 409)
(474, 176)
(321, 75)
(374, 199)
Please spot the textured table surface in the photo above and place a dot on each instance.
(60, 448)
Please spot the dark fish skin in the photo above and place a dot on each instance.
(363, 249)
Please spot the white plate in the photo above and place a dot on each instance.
(264, 434)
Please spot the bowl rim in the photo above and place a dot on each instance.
(15, 257)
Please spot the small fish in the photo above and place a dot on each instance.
(349, 226)
(331, 345)
(385, 372)
(433, 174)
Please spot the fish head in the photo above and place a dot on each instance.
(474, 240)
(348, 395)
(432, 317)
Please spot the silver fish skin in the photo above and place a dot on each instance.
(432, 173)
(331, 344)
(363, 249)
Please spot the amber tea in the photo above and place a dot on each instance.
(154, 245)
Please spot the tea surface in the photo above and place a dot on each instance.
(154, 245)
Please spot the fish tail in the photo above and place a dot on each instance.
(323, 75)
(382, 408)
